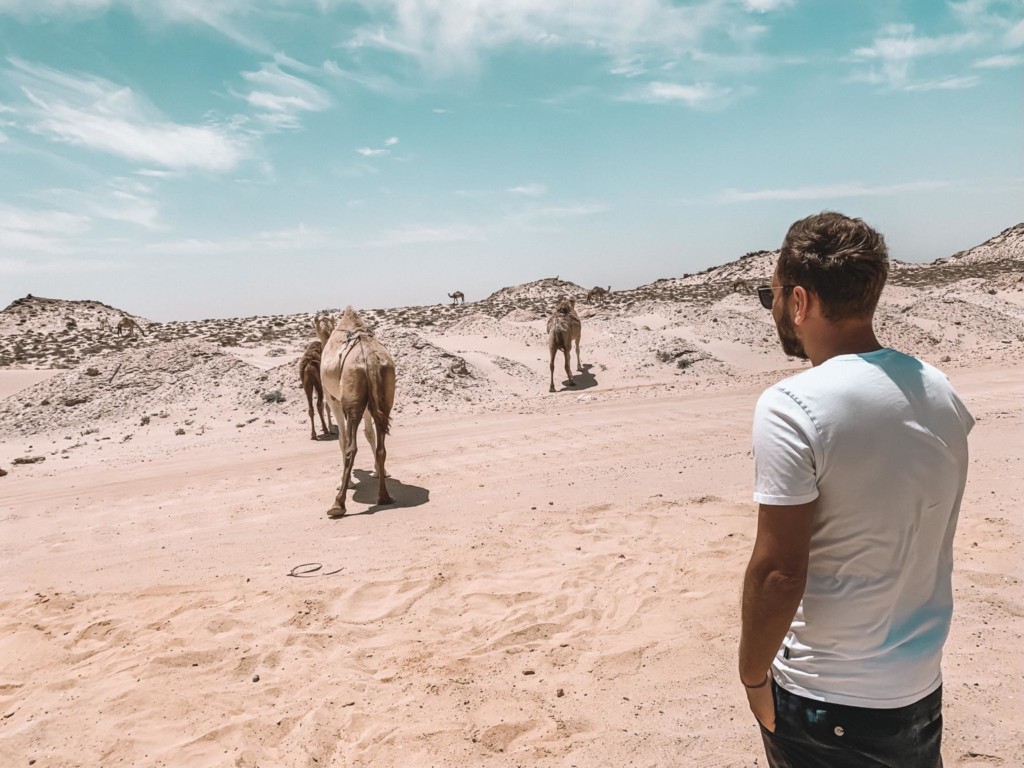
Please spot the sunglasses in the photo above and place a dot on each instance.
(764, 293)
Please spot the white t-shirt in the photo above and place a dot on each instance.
(880, 439)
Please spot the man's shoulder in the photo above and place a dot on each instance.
(792, 386)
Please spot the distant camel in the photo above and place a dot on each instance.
(564, 328)
(597, 292)
(358, 374)
(457, 297)
(309, 375)
(104, 324)
(129, 326)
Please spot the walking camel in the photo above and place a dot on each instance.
(129, 326)
(458, 297)
(358, 376)
(564, 328)
(309, 375)
(597, 292)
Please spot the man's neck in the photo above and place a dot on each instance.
(846, 337)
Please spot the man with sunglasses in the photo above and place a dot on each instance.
(860, 467)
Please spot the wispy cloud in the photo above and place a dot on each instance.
(375, 82)
(1015, 36)
(225, 17)
(13, 266)
(65, 221)
(280, 96)
(951, 83)
(429, 234)
(889, 59)
(122, 200)
(92, 112)
(898, 50)
(831, 191)
(39, 231)
(454, 38)
(572, 211)
(1001, 61)
(157, 174)
(529, 190)
(300, 239)
(766, 6)
(379, 151)
(696, 95)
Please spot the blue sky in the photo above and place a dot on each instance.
(184, 159)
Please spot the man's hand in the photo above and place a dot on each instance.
(762, 704)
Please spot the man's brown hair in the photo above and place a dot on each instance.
(843, 260)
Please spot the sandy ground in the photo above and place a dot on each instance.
(12, 382)
(557, 586)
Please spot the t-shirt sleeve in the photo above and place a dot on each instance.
(785, 439)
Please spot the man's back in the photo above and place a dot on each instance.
(880, 439)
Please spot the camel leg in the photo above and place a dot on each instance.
(579, 365)
(338, 509)
(368, 430)
(309, 401)
(567, 355)
(381, 454)
(371, 438)
(552, 350)
(320, 410)
(349, 429)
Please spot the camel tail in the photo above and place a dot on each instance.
(560, 333)
(376, 374)
(309, 375)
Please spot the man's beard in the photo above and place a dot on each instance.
(791, 345)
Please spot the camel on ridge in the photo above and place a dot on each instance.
(597, 292)
(309, 375)
(358, 377)
(564, 328)
(458, 297)
(128, 325)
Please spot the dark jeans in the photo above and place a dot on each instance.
(815, 734)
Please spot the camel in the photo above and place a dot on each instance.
(597, 292)
(309, 375)
(129, 326)
(564, 328)
(457, 297)
(358, 375)
(104, 324)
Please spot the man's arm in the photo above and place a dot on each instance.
(772, 589)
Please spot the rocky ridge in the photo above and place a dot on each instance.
(955, 310)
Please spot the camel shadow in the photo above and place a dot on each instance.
(365, 492)
(584, 380)
(332, 437)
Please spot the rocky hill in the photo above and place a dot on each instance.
(461, 357)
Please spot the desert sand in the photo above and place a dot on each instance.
(557, 583)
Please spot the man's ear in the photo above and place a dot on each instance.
(801, 303)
